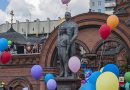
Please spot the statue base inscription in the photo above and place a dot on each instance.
(67, 83)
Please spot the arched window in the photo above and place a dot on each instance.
(19, 84)
(115, 52)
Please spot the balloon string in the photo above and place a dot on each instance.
(101, 56)
(37, 85)
(66, 7)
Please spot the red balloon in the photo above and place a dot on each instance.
(6, 57)
(104, 31)
(65, 1)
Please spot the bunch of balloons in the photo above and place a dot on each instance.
(105, 29)
(5, 56)
(105, 80)
(36, 72)
(50, 81)
(127, 78)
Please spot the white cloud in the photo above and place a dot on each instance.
(26, 9)
(2, 17)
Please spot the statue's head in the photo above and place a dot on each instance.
(67, 16)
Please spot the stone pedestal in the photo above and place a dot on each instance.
(68, 84)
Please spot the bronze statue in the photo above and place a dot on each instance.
(66, 50)
(63, 48)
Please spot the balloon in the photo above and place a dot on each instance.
(5, 57)
(9, 42)
(101, 69)
(65, 1)
(112, 68)
(74, 64)
(83, 81)
(104, 31)
(3, 44)
(107, 81)
(51, 84)
(93, 77)
(87, 74)
(112, 21)
(127, 77)
(48, 77)
(87, 86)
(127, 86)
(36, 72)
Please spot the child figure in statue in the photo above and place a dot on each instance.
(63, 45)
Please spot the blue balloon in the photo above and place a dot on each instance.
(36, 72)
(93, 78)
(88, 86)
(127, 86)
(112, 68)
(3, 44)
(48, 77)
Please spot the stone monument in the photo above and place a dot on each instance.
(67, 33)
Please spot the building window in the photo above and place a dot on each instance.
(93, 3)
(99, 10)
(99, 3)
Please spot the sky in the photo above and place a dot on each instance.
(41, 9)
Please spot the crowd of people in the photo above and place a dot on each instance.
(24, 49)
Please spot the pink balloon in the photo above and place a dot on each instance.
(74, 64)
(65, 1)
(104, 31)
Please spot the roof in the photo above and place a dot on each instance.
(14, 36)
(38, 40)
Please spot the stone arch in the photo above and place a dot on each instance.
(85, 19)
(19, 83)
(100, 43)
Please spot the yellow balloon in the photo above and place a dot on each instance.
(112, 21)
(101, 69)
(107, 81)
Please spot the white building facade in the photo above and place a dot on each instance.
(97, 6)
(102, 6)
(36, 27)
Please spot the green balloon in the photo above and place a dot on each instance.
(9, 42)
(127, 77)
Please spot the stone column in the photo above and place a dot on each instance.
(27, 27)
(38, 26)
(17, 26)
(49, 26)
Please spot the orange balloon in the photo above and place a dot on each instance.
(112, 21)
